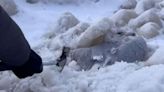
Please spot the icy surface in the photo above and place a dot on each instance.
(36, 20)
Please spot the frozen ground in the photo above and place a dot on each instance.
(38, 19)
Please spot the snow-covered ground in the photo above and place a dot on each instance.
(38, 19)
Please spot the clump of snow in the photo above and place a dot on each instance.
(156, 58)
(8, 81)
(73, 64)
(83, 57)
(147, 16)
(95, 31)
(66, 21)
(149, 30)
(161, 13)
(9, 6)
(144, 5)
(160, 4)
(98, 58)
(68, 38)
(123, 16)
(128, 4)
(155, 43)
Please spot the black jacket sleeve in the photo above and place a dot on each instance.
(15, 52)
(14, 48)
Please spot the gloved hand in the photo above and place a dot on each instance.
(4, 67)
(32, 66)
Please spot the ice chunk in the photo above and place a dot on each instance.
(128, 4)
(144, 5)
(133, 50)
(156, 58)
(123, 16)
(147, 16)
(65, 22)
(149, 30)
(95, 32)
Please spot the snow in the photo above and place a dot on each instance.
(123, 16)
(148, 79)
(30, 15)
(156, 56)
(36, 20)
(93, 32)
(148, 16)
(9, 6)
(149, 30)
(128, 4)
(144, 5)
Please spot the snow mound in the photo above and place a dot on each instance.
(71, 80)
(147, 79)
(68, 38)
(120, 77)
(66, 21)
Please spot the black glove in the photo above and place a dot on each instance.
(33, 65)
(4, 67)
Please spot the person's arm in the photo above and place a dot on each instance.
(15, 51)
(14, 48)
(4, 67)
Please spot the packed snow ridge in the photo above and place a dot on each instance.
(119, 51)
